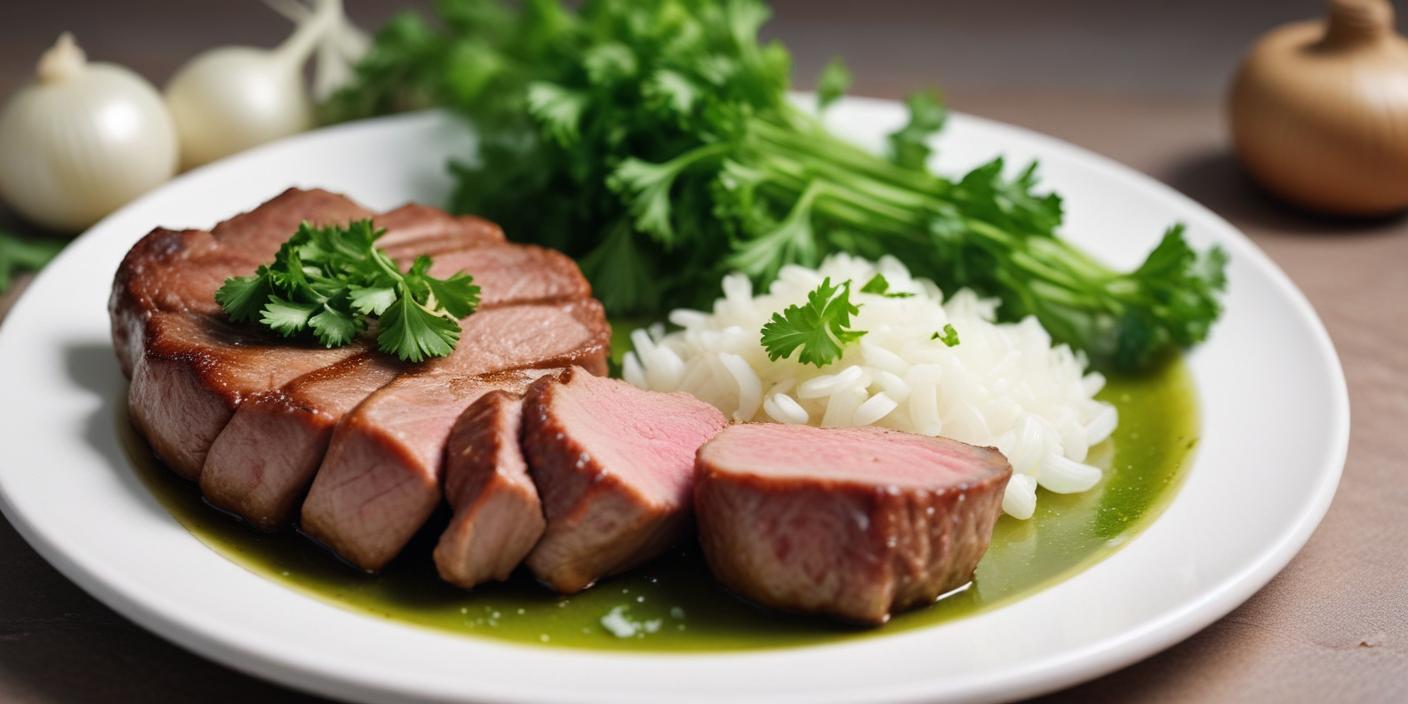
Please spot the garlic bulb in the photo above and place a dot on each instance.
(82, 140)
(1319, 111)
(232, 98)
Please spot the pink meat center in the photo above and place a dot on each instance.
(870, 456)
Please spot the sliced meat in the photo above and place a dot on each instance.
(261, 465)
(613, 465)
(850, 522)
(516, 274)
(179, 271)
(497, 516)
(261, 411)
(191, 370)
(380, 479)
(194, 373)
(415, 229)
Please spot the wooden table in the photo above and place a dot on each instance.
(1140, 85)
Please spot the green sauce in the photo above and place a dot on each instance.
(672, 603)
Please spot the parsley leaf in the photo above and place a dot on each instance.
(371, 300)
(909, 145)
(413, 332)
(821, 328)
(457, 295)
(18, 254)
(328, 281)
(286, 317)
(879, 285)
(336, 327)
(558, 110)
(948, 336)
(834, 82)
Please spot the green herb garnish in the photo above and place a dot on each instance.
(835, 80)
(821, 328)
(331, 280)
(654, 140)
(948, 336)
(880, 286)
(17, 254)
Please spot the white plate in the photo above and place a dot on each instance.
(1275, 425)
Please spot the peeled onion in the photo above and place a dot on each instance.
(82, 140)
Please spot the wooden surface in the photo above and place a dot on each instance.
(1138, 84)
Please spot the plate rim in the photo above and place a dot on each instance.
(1045, 675)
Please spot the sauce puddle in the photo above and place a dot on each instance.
(673, 605)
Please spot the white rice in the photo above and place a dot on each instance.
(1004, 385)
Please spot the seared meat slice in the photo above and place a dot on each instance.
(264, 460)
(613, 465)
(498, 517)
(850, 522)
(259, 467)
(380, 479)
(179, 271)
(514, 274)
(415, 229)
(196, 370)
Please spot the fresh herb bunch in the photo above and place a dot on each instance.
(330, 280)
(17, 254)
(821, 328)
(654, 140)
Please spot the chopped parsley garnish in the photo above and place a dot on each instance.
(948, 336)
(821, 328)
(878, 285)
(330, 281)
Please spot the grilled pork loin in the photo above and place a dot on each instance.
(497, 515)
(243, 476)
(850, 522)
(380, 479)
(613, 465)
(254, 417)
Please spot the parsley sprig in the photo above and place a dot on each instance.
(821, 328)
(329, 281)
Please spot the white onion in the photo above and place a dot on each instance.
(82, 140)
(229, 99)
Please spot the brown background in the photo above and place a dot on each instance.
(1138, 81)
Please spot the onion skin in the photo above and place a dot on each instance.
(1319, 112)
(76, 146)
